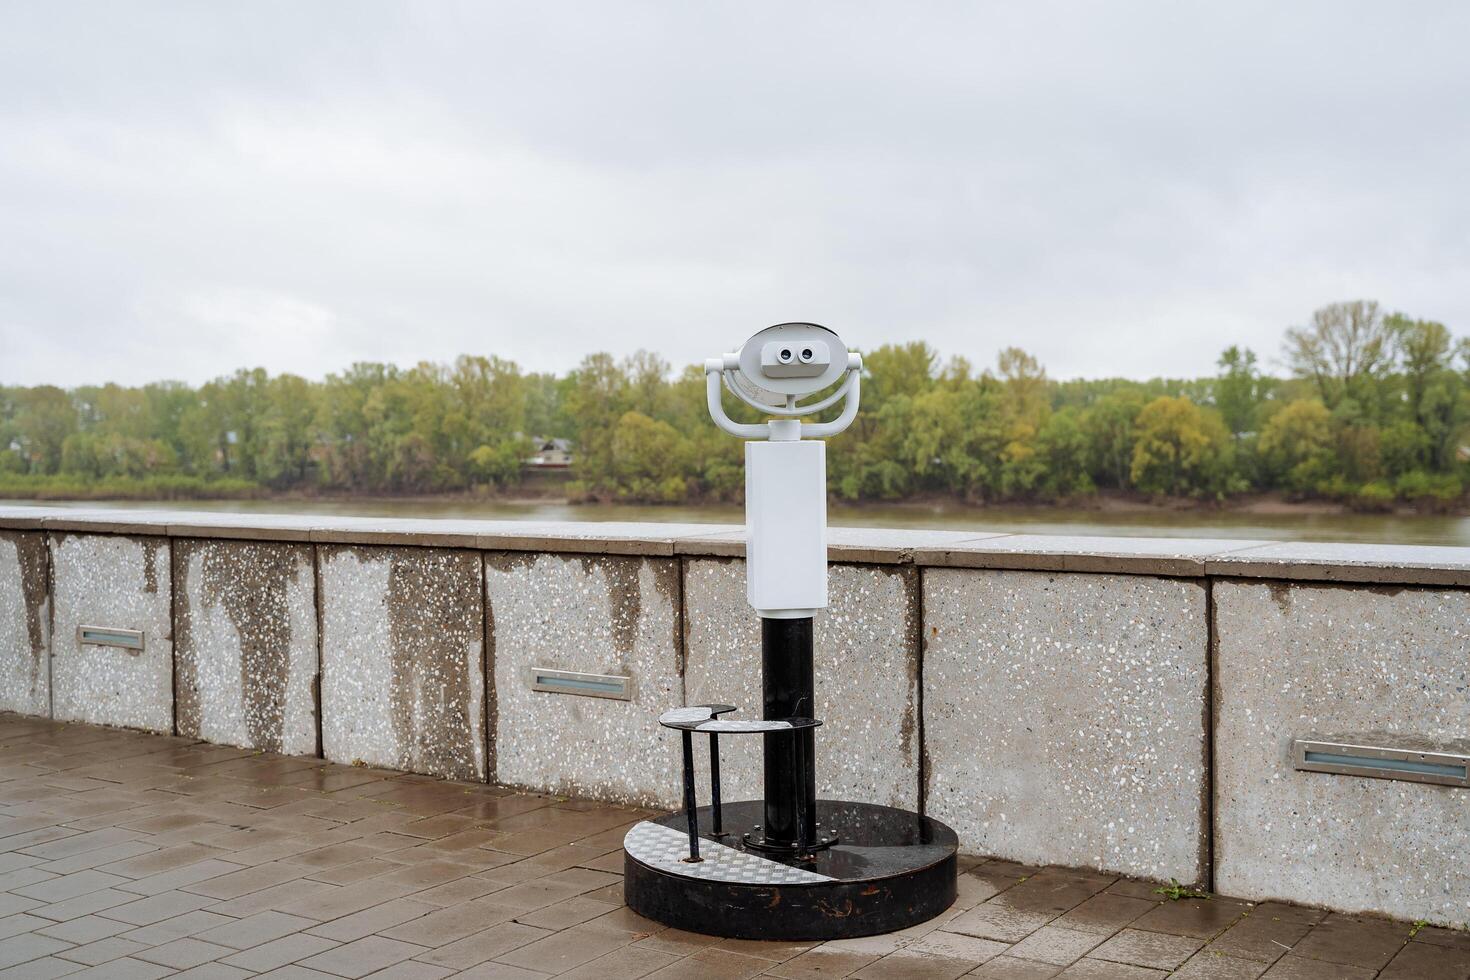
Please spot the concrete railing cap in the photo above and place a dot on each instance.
(1185, 557)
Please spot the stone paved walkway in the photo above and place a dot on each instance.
(130, 856)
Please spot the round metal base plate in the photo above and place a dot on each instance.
(890, 869)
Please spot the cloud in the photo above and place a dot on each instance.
(1121, 189)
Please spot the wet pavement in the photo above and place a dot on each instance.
(134, 856)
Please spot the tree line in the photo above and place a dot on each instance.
(1373, 409)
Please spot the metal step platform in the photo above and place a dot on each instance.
(861, 869)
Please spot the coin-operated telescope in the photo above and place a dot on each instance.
(786, 461)
(788, 866)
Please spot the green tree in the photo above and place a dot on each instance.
(1297, 443)
(1110, 429)
(45, 417)
(1181, 449)
(1344, 352)
(1237, 390)
(648, 459)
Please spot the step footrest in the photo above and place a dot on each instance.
(706, 718)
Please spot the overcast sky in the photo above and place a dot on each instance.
(1122, 189)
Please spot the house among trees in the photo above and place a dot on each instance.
(551, 454)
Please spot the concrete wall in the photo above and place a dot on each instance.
(245, 658)
(1045, 696)
(1064, 718)
(25, 623)
(403, 669)
(122, 582)
(1299, 660)
(867, 671)
(593, 614)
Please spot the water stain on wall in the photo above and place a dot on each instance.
(621, 573)
(32, 557)
(1281, 595)
(912, 640)
(151, 549)
(187, 712)
(434, 619)
(252, 584)
(625, 600)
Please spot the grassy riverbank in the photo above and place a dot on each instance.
(538, 493)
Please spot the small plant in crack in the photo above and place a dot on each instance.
(1174, 891)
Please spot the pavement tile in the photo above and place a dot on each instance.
(189, 874)
(14, 925)
(372, 920)
(214, 971)
(102, 951)
(83, 929)
(61, 888)
(1202, 918)
(456, 892)
(1090, 969)
(345, 900)
(575, 911)
(362, 956)
(819, 963)
(100, 858)
(156, 908)
(14, 881)
(627, 963)
(1423, 961)
(1000, 921)
(500, 971)
(1360, 941)
(188, 924)
(1152, 949)
(29, 946)
(11, 904)
(126, 968)
(1260, 936)
(713, 964)
(1207, 965)
(1435, 936)
(276, 898)
(483, 945)
(246, 880)
(410, 970)
(911, 964)
(1133, 888)
(443, 926)
(46, 968)
(1055, 890)
(1105, 913)
(280, 952)
(775, 951)
(1054, 944)
(1301, 968)
(561, 951)
(1010, 968)
(678, 941)
(425, 874)
(164, 859)
(255, 929)
(181, 954)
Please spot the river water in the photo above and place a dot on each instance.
(1148, 522)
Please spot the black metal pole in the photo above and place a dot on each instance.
(787, 685)
(714, 783)
(689, 795)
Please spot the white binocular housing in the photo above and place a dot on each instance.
(786, 477)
